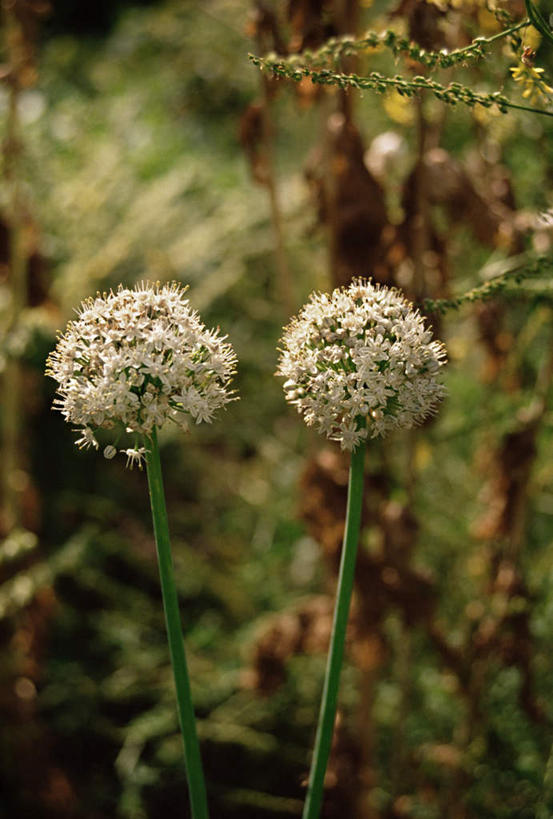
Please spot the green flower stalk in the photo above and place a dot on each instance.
(325, 728)
(194, 771)
(358, 363)
(131, 361)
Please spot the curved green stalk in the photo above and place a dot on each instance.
(193, 762)
(327, 713)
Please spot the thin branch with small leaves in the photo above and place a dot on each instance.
(337, 47)
(451, 94)
(514, 275)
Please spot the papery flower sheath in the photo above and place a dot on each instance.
(135, 359)
(360, 362)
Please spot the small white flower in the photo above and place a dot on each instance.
(136, 358)
(360, 362)
(135, 456)
(87, 439)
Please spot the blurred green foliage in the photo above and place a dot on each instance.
(133, 170)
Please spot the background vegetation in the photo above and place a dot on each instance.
(139, 142)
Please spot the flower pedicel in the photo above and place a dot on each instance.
(131, 361)
(358, 363)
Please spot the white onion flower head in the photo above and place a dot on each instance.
(135, 359)
(360, 362)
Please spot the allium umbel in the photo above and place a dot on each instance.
(135, 359)
(360, 362)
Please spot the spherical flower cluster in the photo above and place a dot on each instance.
(135, 359)
(360, 362)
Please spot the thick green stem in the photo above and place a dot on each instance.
(196, 784)
(327, 714)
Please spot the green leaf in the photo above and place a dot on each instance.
(538, 20)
